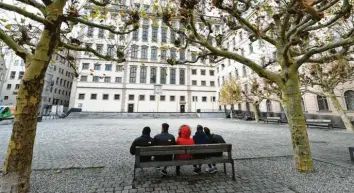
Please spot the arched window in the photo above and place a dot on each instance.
(269, 105)
(349, 99)
(322, 103)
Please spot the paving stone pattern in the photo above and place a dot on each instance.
(92, 144)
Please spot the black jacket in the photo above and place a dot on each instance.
(144, 140)
(164, 138)
(216, 139)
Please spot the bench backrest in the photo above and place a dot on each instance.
(183, 149)
(276, 118)
(319, 120)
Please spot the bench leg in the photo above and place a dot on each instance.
(233, 169)
(224, 168)
(134, 174)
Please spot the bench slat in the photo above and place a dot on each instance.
(212, 160)
(186, 151)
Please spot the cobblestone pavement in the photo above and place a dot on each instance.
(70, 144)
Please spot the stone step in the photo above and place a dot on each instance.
(112, 115)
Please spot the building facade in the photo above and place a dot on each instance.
(145, 82)
(57, 83)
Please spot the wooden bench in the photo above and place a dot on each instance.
(272, 119)
(184, 149)
(351, 153)
(319, 123)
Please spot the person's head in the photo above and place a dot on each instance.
(146, 131)
(207, 130)
(199, 128)
(185, 131)
(165, 127)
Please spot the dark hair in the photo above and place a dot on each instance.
(165, 127)
(146, 131)
(207, 130)
(199, 128)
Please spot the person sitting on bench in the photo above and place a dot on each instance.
(184, 138)
(164, 138)
(200, 138)
(213, 139)
(143, 140)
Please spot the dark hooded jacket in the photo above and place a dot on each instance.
(184, 139)
(164, 138)
(143, 140)
(214, 138)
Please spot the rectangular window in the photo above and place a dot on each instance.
(119, 68)
(194, 82)
(141, 97)
(211, 72)
(152, 97)
(6, 97)
(110, 50)
(136, 35)
(95, 79)
(212, 83)
(131, 97)
(13, 74)
(20, 75)
(134, 52)
(194, 72)
(117, 97)
(8, 86)
(118, 80)
(144, 52)
(195, 99)
(61, 81)
(182, 56)
(202, 72)
(162, 98)
(172, 98)
(154, 34)
(164, 35)
(83, 78)
(93, 96)
(203, 83)
(173, 76)
(17, 86)
(194, 56)
(100, 33)
(97, 67)
(182, 98)
(108, 67)
(88, 45)
(172, 37)
(153, 53)
(99, 48)
(107, 79)
(212, 99)
(172, 53)
(153, 74)
(163, 74)
(145, 33)
(204, 99)
(182, 76)
(81, 96)
(163, 54)
(132, 76)
(105, 97)
(90, 32)
(143, 70)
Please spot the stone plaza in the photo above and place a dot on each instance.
(92, 155)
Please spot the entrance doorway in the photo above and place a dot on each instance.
(182, 110)
(130, 108)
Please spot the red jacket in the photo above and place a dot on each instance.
(184, 139)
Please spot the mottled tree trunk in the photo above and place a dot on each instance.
(17, 166)
(292, 105)
(334, 101)
(255, 108)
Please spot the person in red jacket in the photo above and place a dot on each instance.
(184, 138)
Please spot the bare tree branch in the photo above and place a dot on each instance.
(14, 46)
(35, 4)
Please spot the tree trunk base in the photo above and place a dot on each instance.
(11, 183)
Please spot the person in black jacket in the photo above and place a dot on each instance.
(213, 139)
(143, 140)
(164, 138)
